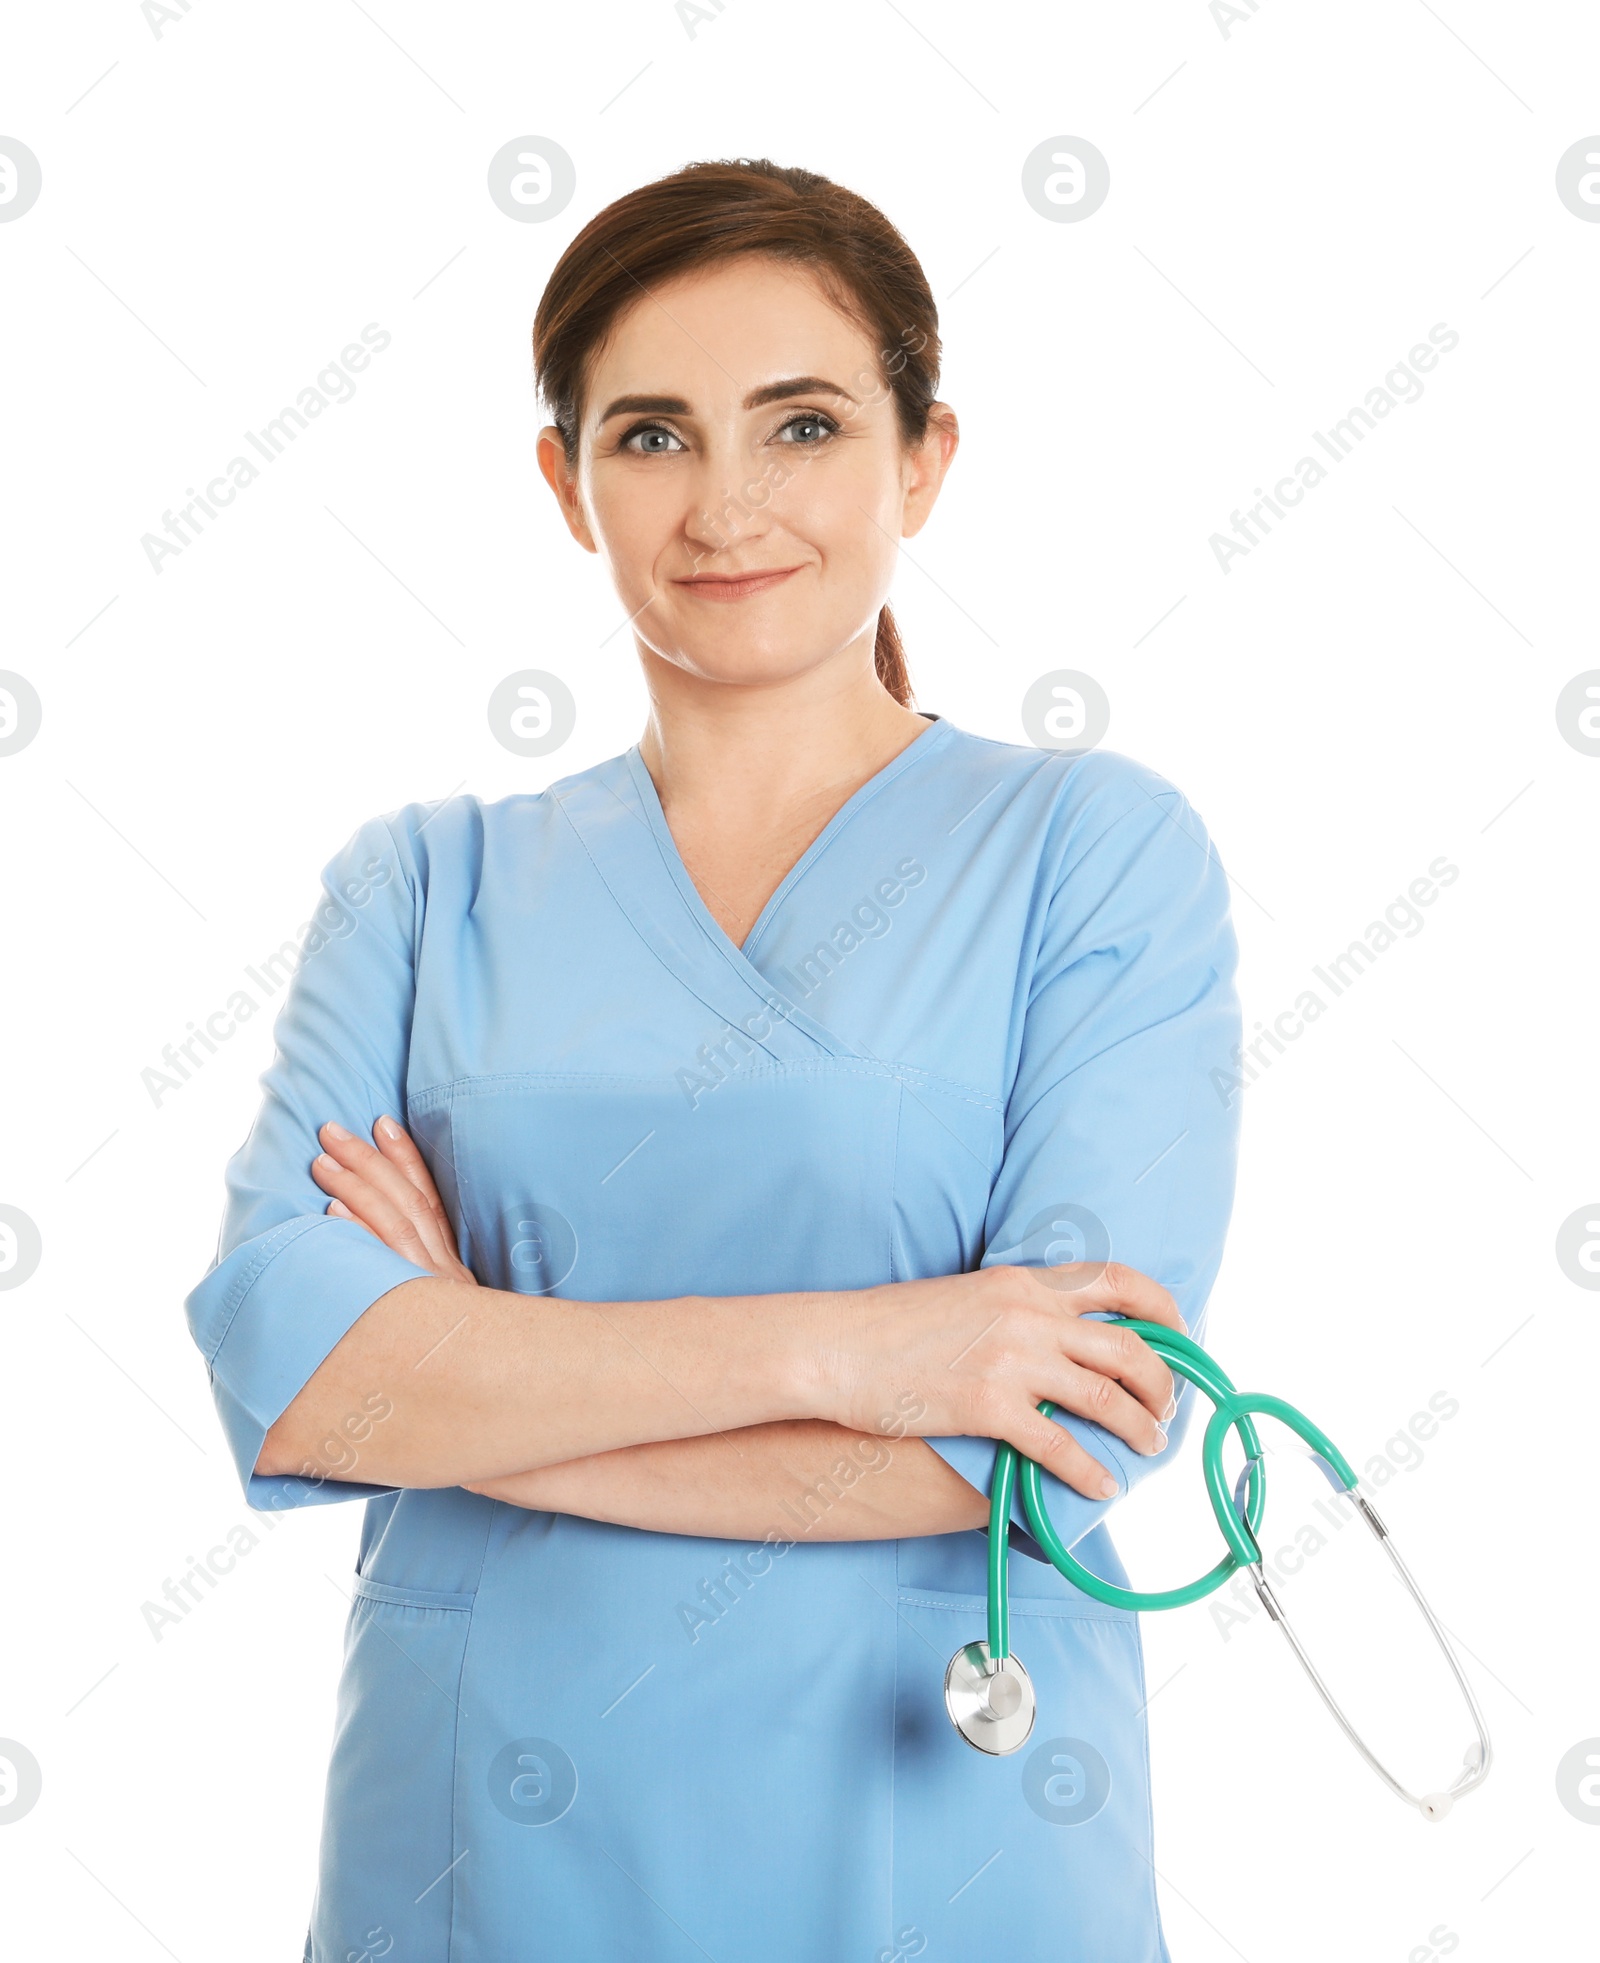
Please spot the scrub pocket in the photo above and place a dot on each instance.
(1070, 1810)
(388, 1840)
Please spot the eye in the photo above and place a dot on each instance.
(811, 419)
(649, 449)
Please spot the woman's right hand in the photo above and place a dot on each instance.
(388, 1189)
(975, 1354)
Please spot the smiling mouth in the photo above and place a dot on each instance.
(707, 586)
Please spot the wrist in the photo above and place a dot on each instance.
(776, 1354)
(809, 1364)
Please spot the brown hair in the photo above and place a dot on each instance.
(708, 212)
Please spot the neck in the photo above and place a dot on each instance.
(763, 750)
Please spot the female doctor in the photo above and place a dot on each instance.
(669, 1185)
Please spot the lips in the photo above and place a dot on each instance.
(707, 587)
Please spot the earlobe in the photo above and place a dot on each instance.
(577, 521)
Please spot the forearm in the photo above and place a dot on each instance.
(804, 1479)
(475, 1383)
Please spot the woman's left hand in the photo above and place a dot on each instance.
(389, 1190)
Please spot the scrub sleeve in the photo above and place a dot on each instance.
(1118, 1147)
(289, 1278)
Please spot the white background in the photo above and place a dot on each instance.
(1293, 204)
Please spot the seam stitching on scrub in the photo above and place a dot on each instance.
(1149, 1796)
(394, 846)
(487, 1082)
(272, 1246)
(959, 1604)
(677, 875)
(628, 915)
(1057, 882)
(894, 1181)
(1131, 1035)
(1100, 837)
(894, 1731)
(465, 1199)
(455, 1756)
(495, 1509)
(1060, 877)
(389, 1595)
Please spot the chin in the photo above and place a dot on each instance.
(741, 666)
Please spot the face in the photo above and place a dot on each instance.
(741, 472)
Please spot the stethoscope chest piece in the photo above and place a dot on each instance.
(991, 1705)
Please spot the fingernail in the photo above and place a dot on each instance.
(329, 1164)
(1108, 1488)
(388, 1127)
(1161, 1442)
(1172, 1408)
(335, 1131)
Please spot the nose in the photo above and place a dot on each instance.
(724, 510)
(728, 492)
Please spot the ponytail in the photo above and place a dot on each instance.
(889, 658)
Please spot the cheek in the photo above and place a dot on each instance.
(846, 507)
(635, 521)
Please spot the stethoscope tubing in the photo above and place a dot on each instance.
(1238, 1512)
(1185, 1358)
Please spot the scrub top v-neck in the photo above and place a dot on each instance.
(916, 751)
(984, 1018)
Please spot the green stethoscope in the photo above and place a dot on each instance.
(990, 1696)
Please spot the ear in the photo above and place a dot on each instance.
(926, 465)
(551, 454)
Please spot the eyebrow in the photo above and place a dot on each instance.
(674, 405)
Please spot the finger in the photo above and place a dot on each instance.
(363, 1161)
(397, 1145)
(1110, 1285)
(341, 1212)
(1103, 1401)
(1037, 1437)
(373, 1208)
(1119, 1352)
(354, 1197)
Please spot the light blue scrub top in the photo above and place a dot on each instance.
(982, 1010)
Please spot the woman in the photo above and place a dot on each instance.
(752, 1116)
